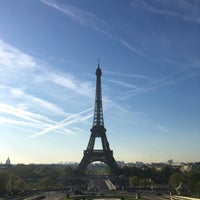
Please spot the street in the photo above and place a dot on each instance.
(152, 196)
(54, 195)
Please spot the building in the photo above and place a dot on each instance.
(190, 167)
(170, 162)
(8, 161)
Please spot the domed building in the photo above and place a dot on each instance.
(8, 161)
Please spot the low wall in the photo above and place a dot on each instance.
(175, 197)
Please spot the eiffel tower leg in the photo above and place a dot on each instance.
(84, 163)
(112, 164)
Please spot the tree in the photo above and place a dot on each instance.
(133, 181)
(67, 172)
(3, 180)
(19, 185)
(15, 183)
(198, 187)
(175, 180)
(45, 183)
(145, 182)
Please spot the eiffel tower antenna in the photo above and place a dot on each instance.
(98, 131)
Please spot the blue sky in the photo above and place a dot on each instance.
(149, 53)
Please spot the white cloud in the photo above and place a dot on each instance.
(28, 126)
(14, 59)
(63, 80)
(70, 82)
(31, 122)
(28, 110)
(19, 68)
(27, 101)
(26, 115)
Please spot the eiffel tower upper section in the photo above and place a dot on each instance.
(98, 129)
(98, 111)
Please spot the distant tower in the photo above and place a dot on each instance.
(98, 131)
(170, 162)
(8, 161)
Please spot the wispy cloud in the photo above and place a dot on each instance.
(84, 18)
(138, 51)
(172, 79)
(122, 83)
(36, 102)
(14, 59)
(187, 10)
(31, 122)
(68, 81)
(22, 119)
(18, 67)
(20, 113)
(69, 120)
(136, 76)
(21, 99)
(136, 84)
(24, 103)
(90, 20)
(20, 123)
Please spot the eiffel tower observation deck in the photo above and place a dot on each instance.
(98, 131)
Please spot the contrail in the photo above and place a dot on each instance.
(64, 122)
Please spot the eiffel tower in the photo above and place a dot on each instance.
(98, 131)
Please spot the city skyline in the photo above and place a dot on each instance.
(149, 55)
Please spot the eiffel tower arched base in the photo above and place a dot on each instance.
(105, 156)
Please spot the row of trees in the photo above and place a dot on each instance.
(173, 178)
(20, 178)
(158, 177)
(187, 181)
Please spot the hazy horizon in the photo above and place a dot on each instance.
(118, 161)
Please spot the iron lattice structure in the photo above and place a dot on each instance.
(98, 131)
